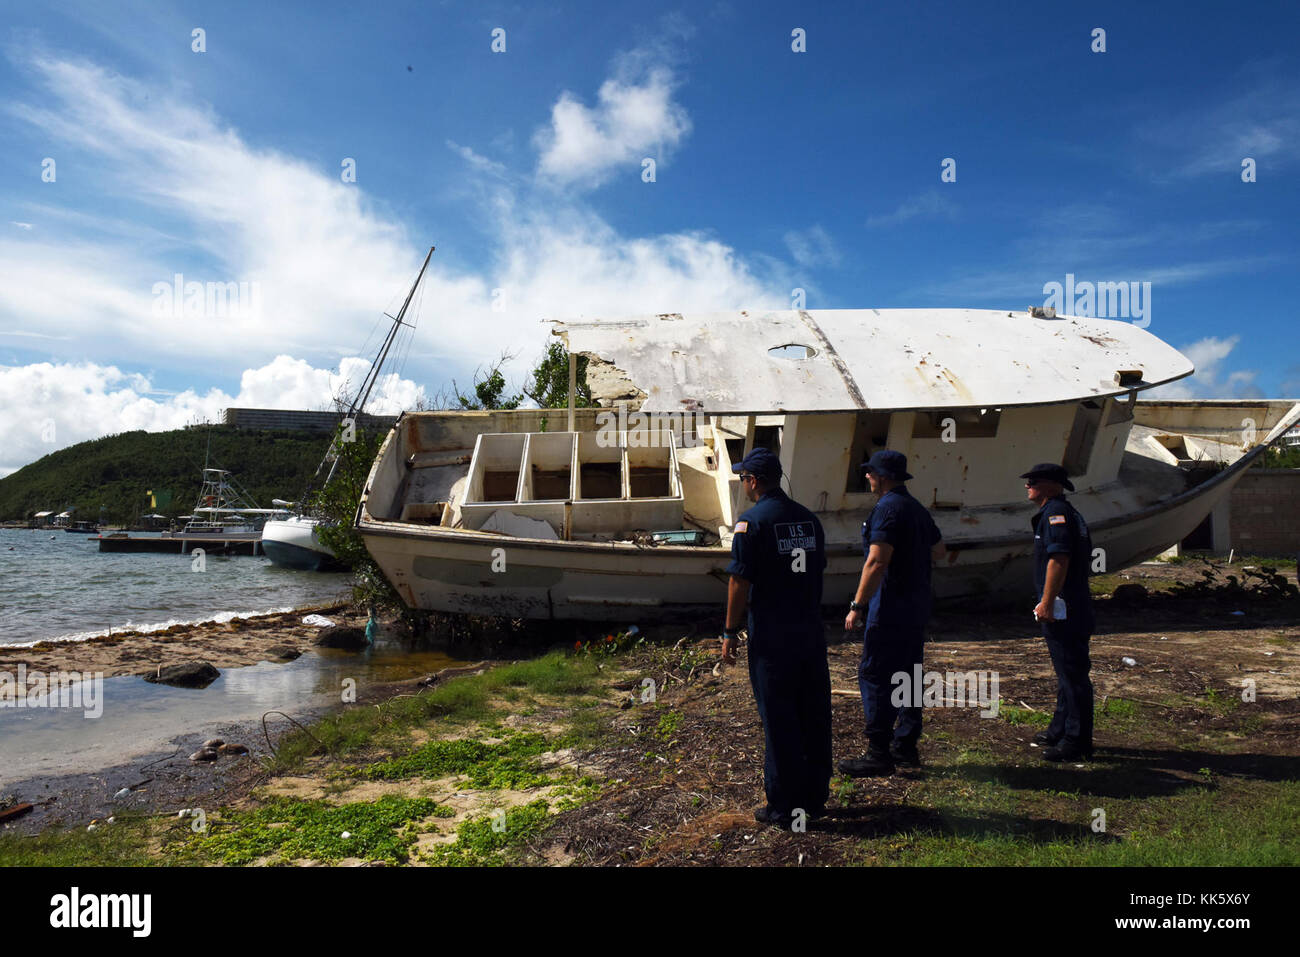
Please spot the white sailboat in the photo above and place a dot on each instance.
(487, 513)
(293, 541)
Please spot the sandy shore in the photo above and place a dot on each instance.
(230, 644)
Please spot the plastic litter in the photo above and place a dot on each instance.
(320, 621)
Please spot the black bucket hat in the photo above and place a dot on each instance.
(1051, 472)
(888, 464)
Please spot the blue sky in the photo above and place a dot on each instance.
(774, 170)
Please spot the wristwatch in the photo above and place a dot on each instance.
(854, 606)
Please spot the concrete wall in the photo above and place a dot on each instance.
(1265, 513)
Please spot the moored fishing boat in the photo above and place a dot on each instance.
(223, 511)
(487, 513)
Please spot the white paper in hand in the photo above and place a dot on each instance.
(1058, 610)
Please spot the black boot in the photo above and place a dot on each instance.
(875, 762)
(1067, 750)
(905, 754)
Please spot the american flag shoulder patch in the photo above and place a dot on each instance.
(1056, 520)
(742, 527)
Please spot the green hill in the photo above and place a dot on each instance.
(117, 470)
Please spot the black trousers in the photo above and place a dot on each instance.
(792, 688)
(888, 651)
(1067, 643)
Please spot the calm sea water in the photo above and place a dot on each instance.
(54, 584)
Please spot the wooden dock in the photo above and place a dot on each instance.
(179, 545)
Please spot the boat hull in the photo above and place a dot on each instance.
(295, 543)
(451, 570)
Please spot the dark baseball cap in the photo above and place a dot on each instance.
(1051, 472)
(760, 463)
(888, 464)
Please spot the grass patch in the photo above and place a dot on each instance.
(576, 793)
(669, 721)
(1119, 715)
(285, 829)
(1253, 724)
(1222, 703)
(493, 840)
(1251, 826)
(1014, 715)
(513, 763)
(465, 699)
(120, 844)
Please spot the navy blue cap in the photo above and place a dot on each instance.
(1053, 473)
(760, 463)
(888, 464)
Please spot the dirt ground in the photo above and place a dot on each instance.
(691, 801)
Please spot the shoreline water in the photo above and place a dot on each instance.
(62, 588)
(267, 663)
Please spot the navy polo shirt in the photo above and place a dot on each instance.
(1059, 529)
(763, 545)
(903, 598)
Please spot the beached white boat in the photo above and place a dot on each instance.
(487, 513)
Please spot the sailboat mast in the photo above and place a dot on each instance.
(372, 376)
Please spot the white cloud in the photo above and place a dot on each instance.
(812, 247)
(1210, 381)
(327, 258)
(929, 205)
(66, 403)
(1260, 120)
(476, 160)
(634, 118)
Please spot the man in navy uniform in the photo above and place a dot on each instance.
(1062, 553)
(899, 540)
(778, 554)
